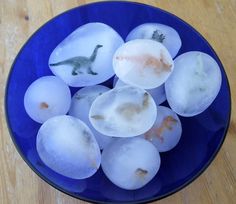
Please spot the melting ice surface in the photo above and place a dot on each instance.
(194, 83)
(47, 97)
(66, 145)
(123, 112)
(80, 106)
(143, 63)
(166, 131)
(85, 57)
(158, 94)
(158, 32)
(130, 163)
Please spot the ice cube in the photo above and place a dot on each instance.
(85, 56)
(130, 163)
(143, 63)
(166, 131)
(67, 146)
(123, 112)
(194, 83)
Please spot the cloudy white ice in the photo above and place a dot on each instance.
(164, 34)
(130, 163)
(166, 131)
(80, 106)
(85, 56)
(47, 97)
(67, 146)
(158, 94)
(123, 112)
(194, 83)
(143, 63)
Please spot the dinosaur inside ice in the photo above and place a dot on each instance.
(159, 37)
(79, 62)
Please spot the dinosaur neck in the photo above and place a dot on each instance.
(94, 54)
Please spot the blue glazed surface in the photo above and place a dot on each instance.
(202, 136)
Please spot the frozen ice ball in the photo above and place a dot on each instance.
(84, 57)
(123, 112)
(80, 106)
(194, 83)
(130, 163)
(47, 97)
(158, 94)
(143, 63)
(67, 146)
(164, 34)
(166, 131)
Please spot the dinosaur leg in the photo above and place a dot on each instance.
(90, 71)
(75, 70)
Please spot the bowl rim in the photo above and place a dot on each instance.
(147, 200)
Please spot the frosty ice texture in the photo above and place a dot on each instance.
(47, 97)
(194, 83)
(123, 112)
(130, 163)
(164, 34)
(158, 94)
(143, 63)
(66, 145)
(166, 131)
(80, 106)
(84, 57)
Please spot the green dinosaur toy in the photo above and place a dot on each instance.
(80, 61)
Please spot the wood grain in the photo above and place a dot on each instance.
(215, 19)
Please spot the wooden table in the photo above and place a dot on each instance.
(215, 19)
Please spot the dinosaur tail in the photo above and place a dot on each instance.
(56, 64)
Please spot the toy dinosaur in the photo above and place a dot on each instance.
(158, 37)
(80, 61)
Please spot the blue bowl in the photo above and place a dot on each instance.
(203, 134)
